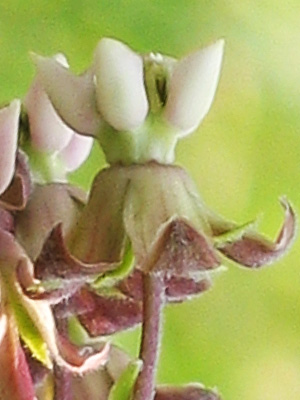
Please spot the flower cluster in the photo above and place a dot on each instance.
(76, 267)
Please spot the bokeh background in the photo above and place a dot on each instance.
(244, 335)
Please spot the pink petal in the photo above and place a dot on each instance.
(73, 97)
(9, 125)
(76, 152)
(47, 131)
(121, 94)
(192, 87)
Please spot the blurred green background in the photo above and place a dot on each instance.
(244, 335)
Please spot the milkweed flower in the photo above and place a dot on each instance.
(145, 236)
(25, 323)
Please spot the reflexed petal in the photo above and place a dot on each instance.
(177, 289)
(189, 392)
(181, 251)
(61, 352)
(16, 382)
(82, 359)
(61, 274)
(73, 97)
(108, 315)
(192, 87)
(132, 286)
(47, 131)
(97, 385)
(254, 250)
(76, 152)
(35, 320)
(16, 195)
(181, 289)
(120, 87)
(9, 124)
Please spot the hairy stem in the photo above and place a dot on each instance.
(153, 302)
(62, 384)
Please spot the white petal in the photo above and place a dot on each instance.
(192, 87)
(48, 132)
(76, 152)
(121, 94)
(9, 126)
(72, 96)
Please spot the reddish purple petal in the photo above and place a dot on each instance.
(56, 264)
(181, 289)
(108, 315)
(182, 251)
(132, 286)
(16, 195)
(177, 288)
(189, 392)
(253, 250)
(55, 261)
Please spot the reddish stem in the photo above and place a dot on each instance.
(153, 302)
(62, 384)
